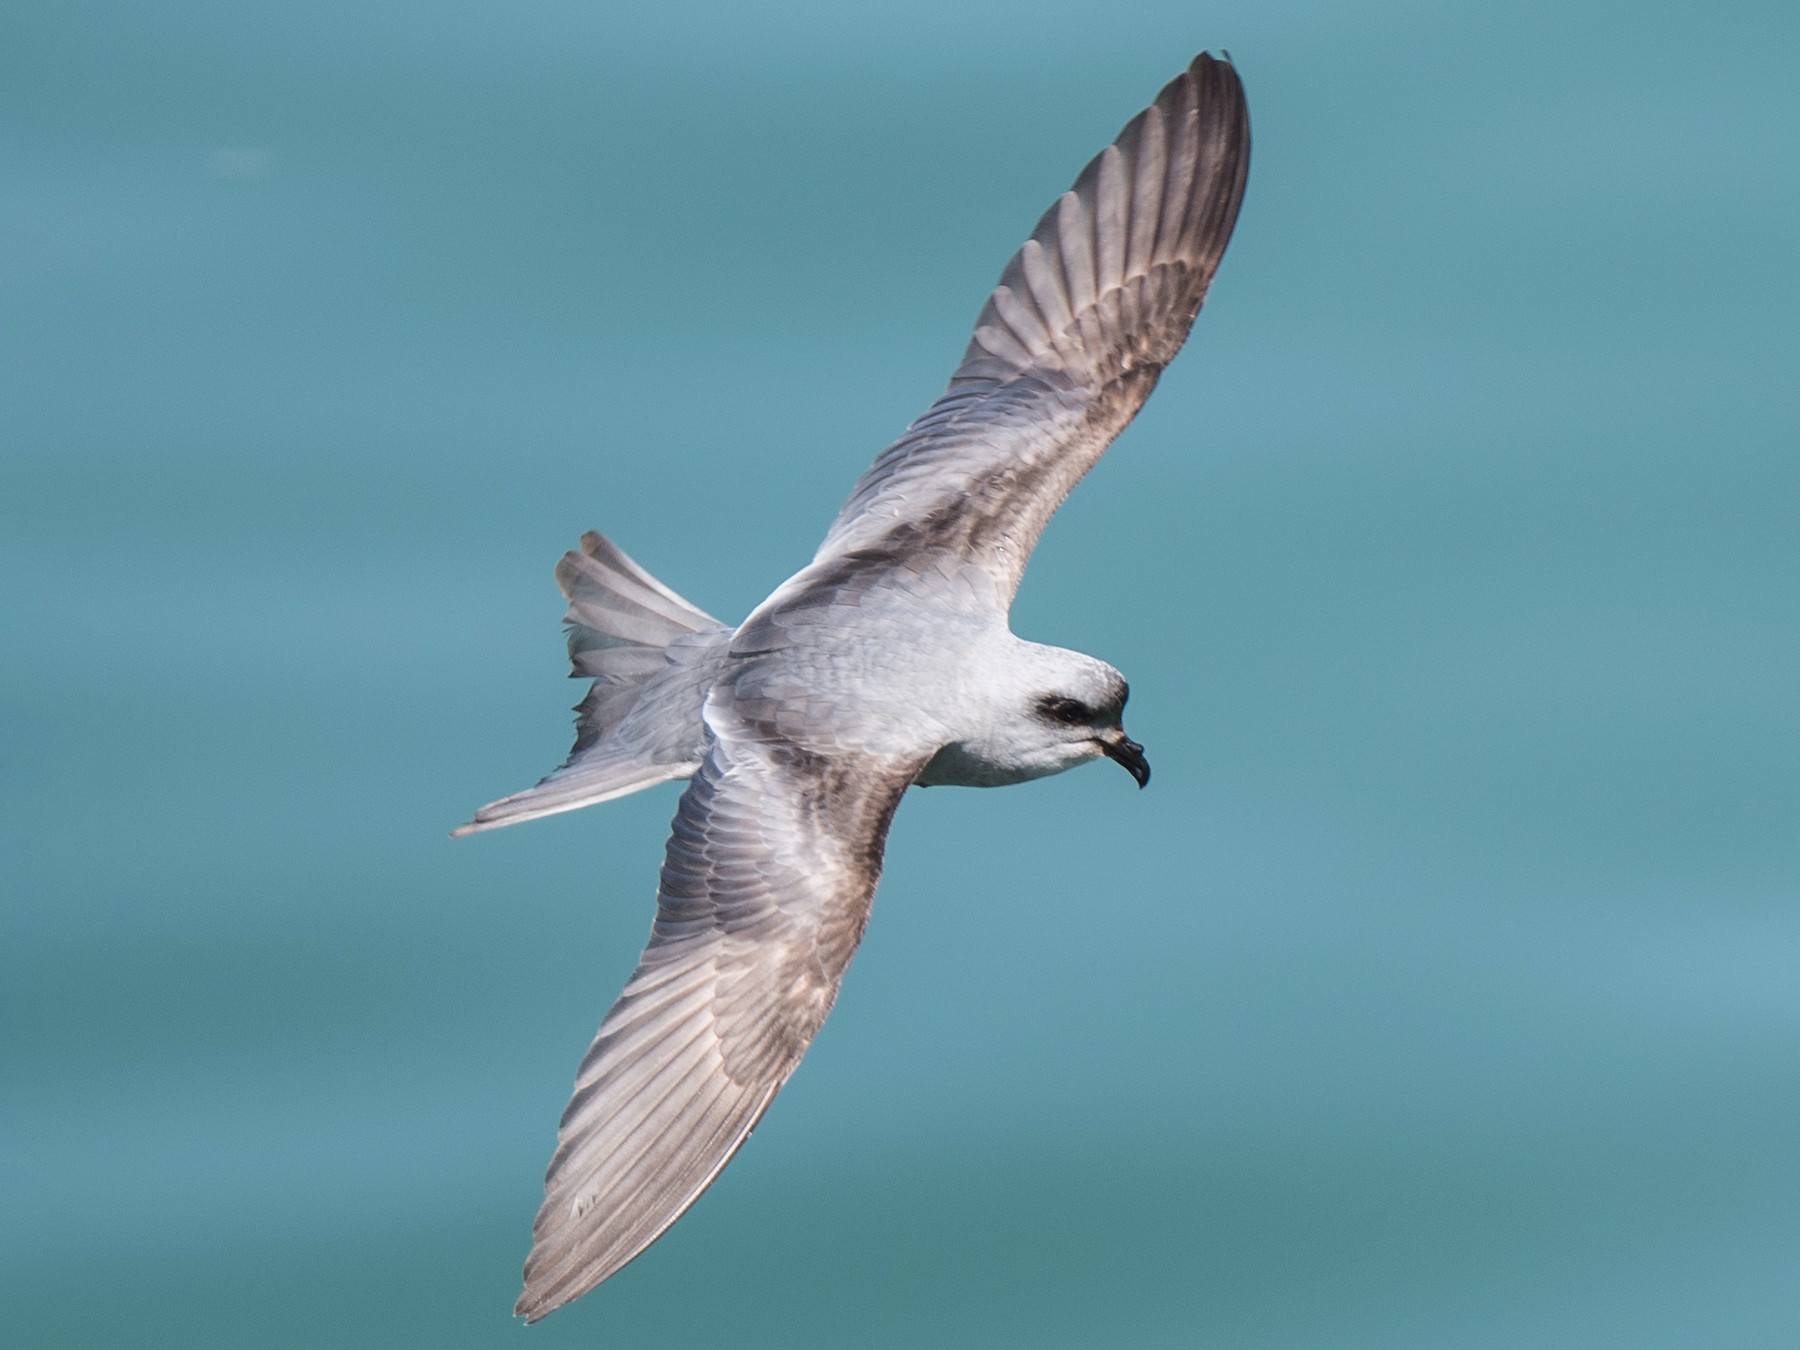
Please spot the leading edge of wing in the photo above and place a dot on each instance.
(771, 868)
(1069, 345)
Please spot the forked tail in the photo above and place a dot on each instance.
(651, 656)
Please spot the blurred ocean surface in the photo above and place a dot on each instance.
(1441, 991)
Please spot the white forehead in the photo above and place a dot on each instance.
(1056, 670)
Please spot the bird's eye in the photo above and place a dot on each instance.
(1066, 710)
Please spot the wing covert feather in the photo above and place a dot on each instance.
(771, 867)
(1068, 346)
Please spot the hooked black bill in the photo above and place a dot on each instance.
(1130, 755)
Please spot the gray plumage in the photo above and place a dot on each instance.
(887, 661)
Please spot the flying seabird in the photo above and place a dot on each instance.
(887, 661)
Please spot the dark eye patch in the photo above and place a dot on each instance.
(1066, 710)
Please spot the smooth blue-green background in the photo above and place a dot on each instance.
(1444, 988)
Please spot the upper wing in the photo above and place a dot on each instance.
(1069, 345)
(765, 891)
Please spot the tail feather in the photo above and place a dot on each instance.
(583, 781)
(622, 622)
(615, 605)
(639, 642)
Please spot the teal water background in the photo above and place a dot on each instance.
(1443, 990)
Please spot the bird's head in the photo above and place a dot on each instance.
(1081, 714)
(1067, 708)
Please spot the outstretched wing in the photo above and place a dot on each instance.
(1068, 347)
(765, 891)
